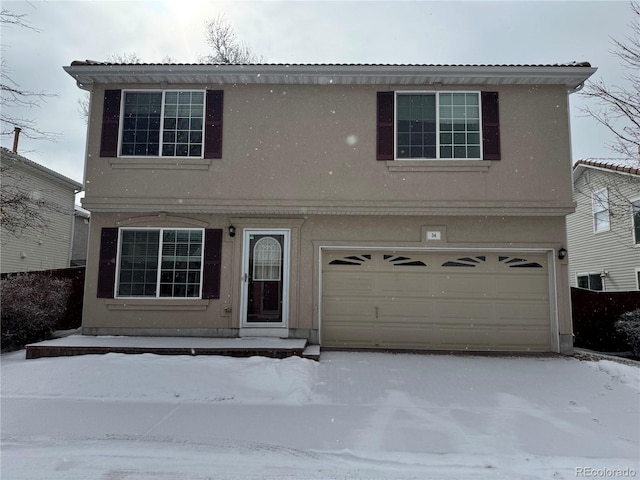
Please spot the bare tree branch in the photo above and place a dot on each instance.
(8, 18)
(14, 98)
(23, 211)
(225, 46)
(618, 108)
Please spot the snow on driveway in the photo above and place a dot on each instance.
(350, 416)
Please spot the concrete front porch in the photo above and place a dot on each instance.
(234, 347)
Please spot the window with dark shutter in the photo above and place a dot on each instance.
(212, 263)
(213, 124)
(107, 264)
(110, 123)
(385, 127)
(490, 126)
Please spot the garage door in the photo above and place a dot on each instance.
(435, 300)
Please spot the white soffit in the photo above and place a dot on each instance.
(87, 73)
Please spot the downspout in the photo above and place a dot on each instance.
(562, 269)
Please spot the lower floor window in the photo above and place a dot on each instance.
(591, 281)
(160, 262)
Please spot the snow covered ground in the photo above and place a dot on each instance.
(350, 416)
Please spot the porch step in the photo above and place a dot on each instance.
(234, 347)
(312, 352)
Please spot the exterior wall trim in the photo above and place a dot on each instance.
(324, 207)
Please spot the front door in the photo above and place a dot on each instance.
(265, 277)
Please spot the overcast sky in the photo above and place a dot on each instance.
(422, 32)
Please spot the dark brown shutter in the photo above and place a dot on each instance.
(107, 265)
(110, 124)
(384, 137)
(490, 126)
(213, 124)
(212, 263)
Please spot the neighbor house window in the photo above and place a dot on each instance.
(167, 124)
(438, 125)
(601, 220)
(635, 207)
(590, 281)
(160, 263)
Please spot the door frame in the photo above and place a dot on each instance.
(264, 328)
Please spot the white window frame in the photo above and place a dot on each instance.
(157, 296)
(636, 240)
(588, 275)
(162, 111)
(436, 93)
(596, 199)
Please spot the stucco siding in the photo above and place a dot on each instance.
(612, 251)
(289, 147)
(299, 161)
(309, 235)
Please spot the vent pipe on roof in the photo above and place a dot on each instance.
(16, 137)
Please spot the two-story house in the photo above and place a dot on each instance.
(604, 232)
(359, 206)
(43, 237)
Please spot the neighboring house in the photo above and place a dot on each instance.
(357, 206)
(38, 248)
(81, 218)
(604, 232)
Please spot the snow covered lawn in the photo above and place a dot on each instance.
(350, 416)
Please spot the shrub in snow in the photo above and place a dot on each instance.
(629, 325)
(31, 305)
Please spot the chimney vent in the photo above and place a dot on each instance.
(16, 137)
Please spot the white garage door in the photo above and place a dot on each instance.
(435, 300)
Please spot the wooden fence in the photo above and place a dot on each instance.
(594, 315)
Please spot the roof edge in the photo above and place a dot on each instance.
(572, 75)
(36, 166)
(614, 165)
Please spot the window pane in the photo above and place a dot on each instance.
(183, 124)
(595, 282)
(583, 281)
(138, 263)
(416, 125)
(463, 118)
(636, 221)
(601, 210)
(142, 114)
(473, 152)
(267, 259)
(181, 263)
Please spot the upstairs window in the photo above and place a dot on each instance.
(151, 123)
(600, 203)
(167, 124)
(438, 125)
(635, 207)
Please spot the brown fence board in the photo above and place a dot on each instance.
(594, 316)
